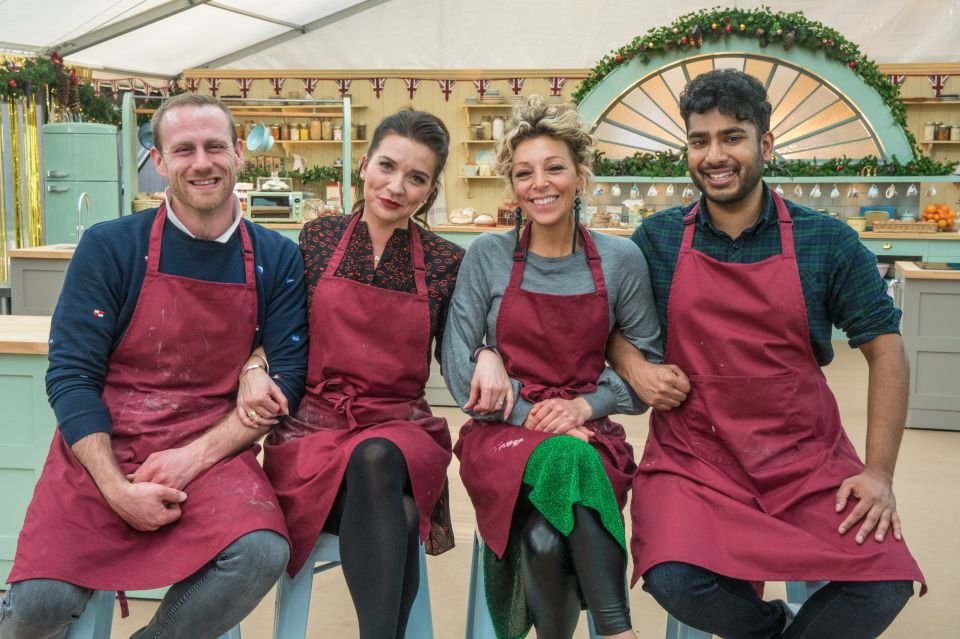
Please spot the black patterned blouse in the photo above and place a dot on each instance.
(319, 239)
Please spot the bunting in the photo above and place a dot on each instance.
(897, 78)
(309, 85)
(378, 84)
(192, 85)
(446, 86)
(214, 85)
(412, 85)
(277, 84)
(516, 85)
(938, 82)
(245, 84)
(556, 84)
(344, 87)
(481, 86)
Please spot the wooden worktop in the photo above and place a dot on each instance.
(24, 334)
(872, 235)
(909, 270)
(49, 252)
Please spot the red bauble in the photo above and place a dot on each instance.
(853, 64)
(728, 28)
(12, 83)
(619, 58)
(683, 40)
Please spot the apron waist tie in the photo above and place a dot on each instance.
(124, 604)
(536, 392)
(341, 393)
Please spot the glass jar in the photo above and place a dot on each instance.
(305, 132)
(955, 133)
(275, 131)
(326, 126)
(338, 130)
(497, 127)
(929, 131)
(943, 131)
(316, 132)
(486, 122)
(361, 131)
(284, 131)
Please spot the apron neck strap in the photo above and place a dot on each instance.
(783, 219)
(156, 241)
(416, 249)
(589, 249)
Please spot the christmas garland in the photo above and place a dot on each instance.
(665, 164)
(31, 76)
(786, 29)
(317, 175)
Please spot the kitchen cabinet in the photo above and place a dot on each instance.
(36, 278)
(81, 178)
(930, 300)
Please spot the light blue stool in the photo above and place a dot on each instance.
(797, 593)
(96, 620)
(479, 624)
(293, 595)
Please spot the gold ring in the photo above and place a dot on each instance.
(251, 414)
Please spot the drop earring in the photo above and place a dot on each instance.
(517, 223)
(576, 222)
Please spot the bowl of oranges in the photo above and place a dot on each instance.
(942, 215)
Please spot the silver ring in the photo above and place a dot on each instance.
(252, 414)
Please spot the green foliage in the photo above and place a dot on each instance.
(315, 175)
(97, 108)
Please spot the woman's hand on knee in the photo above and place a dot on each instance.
(560, 416)
(490, 388)
(259, 400)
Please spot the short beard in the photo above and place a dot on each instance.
(750, 176)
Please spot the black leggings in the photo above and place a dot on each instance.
(378, 523)
(559, 572)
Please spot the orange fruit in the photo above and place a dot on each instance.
(931, 208)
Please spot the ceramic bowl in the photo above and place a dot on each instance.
(857, 223)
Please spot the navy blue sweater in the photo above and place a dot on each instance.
(106, 274)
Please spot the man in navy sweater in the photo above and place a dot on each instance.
(152, 479)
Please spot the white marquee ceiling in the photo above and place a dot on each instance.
(164, 37)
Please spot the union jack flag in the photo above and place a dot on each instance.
(343, 86)
(447, 87)
(938, 82)
(516, 85)
(556, 84)
(897, 78)
(214, 85)
(192, 85)
(277, 84)
(309, 85)
(245, 85)
(378, 84)
(412, 85)
(164, 90)
(481, 86)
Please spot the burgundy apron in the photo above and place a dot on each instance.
(741, 479)
(368, 367)
(553, 344)
(171, 378)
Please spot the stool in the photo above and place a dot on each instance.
(479, 624)
(797, 593)
(96, 620)
(293, 595)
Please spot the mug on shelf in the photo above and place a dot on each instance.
(486, 169)
(469, 170)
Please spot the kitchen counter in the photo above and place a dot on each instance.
(930, 300)
(48, 252)
(24, 334)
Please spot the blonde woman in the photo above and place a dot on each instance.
(549, 473)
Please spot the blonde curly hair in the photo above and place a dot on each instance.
(558, 121)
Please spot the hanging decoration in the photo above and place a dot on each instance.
(938, 83)
(343, 86)
(412, 85)
(446, 86)
(244, 84)
(516, 85)
(378, 84)
(3, 209)
(897, 79)
(277, 84)
(556, 85)
(214, 85)
(192, 85)
(482, 86)
(309, 85)
(31, 172)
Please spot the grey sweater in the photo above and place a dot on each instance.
(484, 275)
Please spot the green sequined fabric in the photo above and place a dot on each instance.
(562, 471)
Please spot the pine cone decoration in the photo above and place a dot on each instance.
(73, 98)
(696, 36)
(789, 40)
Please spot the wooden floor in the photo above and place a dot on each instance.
(927, 482)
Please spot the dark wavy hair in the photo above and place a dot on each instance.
(422, 127)
(731, 92)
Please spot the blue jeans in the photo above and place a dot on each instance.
(731, 608)
(203, 606)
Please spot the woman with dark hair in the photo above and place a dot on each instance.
(548, 474)
(363, 457)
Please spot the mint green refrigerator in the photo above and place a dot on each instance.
(81, 178)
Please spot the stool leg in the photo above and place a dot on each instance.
(420, 623)
(293, 603)
(479, 624)
(233, 633)
(591, 628)
(799, 591)
(677, 630)
(96, 620)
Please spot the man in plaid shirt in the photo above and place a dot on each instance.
(747, 475)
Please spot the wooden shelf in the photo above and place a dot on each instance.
(504, 105)
(838, 179)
